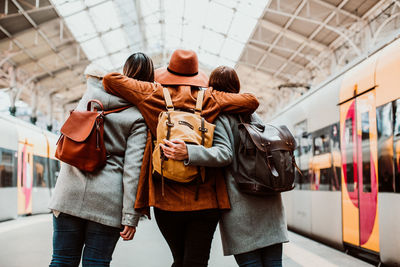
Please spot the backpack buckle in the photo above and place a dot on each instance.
(202, 129)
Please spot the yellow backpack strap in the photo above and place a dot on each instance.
(199, 102)
(167, 98)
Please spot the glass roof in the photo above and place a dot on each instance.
(110, 30)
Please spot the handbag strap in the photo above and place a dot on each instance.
(117, 109)
(168, 100)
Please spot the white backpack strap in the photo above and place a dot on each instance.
(199, 102)
(167, 98)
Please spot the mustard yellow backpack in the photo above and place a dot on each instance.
(192, 128)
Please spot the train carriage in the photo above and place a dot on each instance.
(28, 169)
(348, 131)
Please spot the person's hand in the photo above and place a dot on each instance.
(175, 149)
(128, 233)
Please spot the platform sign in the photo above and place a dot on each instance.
(359, 172)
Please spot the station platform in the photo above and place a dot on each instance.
(27, 241)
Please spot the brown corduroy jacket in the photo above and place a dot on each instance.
(149, 99)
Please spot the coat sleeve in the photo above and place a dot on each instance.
(219, 155)
(130, 89)
(132, 164)
(235, 103)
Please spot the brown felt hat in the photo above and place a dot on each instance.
(183, 69)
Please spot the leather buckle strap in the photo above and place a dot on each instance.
(199, 102)
(167, 98)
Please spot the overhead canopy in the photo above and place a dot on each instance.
(279, 47)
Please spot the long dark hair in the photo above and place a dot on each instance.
(140, 67)
(224, 79)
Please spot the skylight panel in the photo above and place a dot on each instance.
(232, 49)
(80, 26)
(219, 18)
(66, 8)
(118, 59)
(149, 7)
(104, 63)
(212, 41)
(192, 36)
(208, 59)
(92, 2)
(252, 8)
(195, 12)
(104, 16)
(242, 27)
(114, 40)
(93, 48)
(111, 29)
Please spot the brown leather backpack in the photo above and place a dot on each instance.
(81, 143)
(265, 159)
(191, 128)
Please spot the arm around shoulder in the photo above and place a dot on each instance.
(130, 89)
(235, 103)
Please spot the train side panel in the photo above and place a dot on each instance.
(326, 217)
(389, 212)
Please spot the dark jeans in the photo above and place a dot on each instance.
(71, 234)
(189, 235)
(270, 256)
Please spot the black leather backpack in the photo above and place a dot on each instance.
(266, 163)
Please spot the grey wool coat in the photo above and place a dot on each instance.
(253, 222)
(108, 195)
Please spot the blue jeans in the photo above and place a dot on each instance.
(71, 234)
(270, 256)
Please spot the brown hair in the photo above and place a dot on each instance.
(224, 79)
(140, 67)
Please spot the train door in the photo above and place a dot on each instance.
(25, 178)
(359, 172)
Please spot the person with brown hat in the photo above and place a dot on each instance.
(188, 224)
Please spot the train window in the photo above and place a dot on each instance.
(54, 171)
(336, 180)
(396, 144)
(40, 176)
(366, 151)
(306, 155)
(322, 144)
(324, 179)
(6, 168)
(306, 180)
(384, 124)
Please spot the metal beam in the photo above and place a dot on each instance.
(27, 52)
(293, 35)
(47, 40)
(44, 75)
(283, 59)
(30, 11)
(278, 38)
(283, 76)
(322, 24)
(254, 30)
(142, 27)
(337, 9)
(315, 32)
(288, 50)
